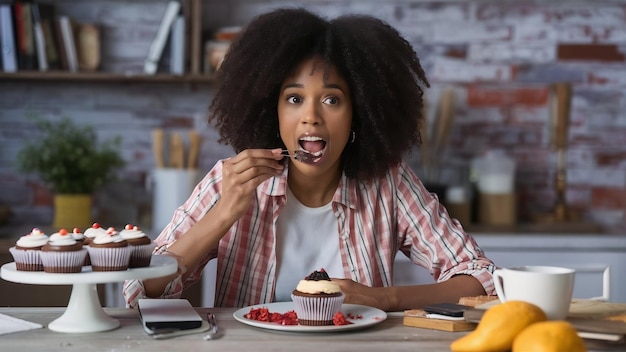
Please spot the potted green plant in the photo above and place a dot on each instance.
(72, 164)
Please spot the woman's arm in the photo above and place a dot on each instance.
(227, 191)
(397, 298)
(241, 175)
(433, 240)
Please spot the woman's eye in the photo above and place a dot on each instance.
(331, 100)
(293, 99)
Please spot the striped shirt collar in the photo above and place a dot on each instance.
(346, 193)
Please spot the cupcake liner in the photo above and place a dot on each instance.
(63, 262)
(109, 259)
(27, 259)
(317, 310)
(141, 255)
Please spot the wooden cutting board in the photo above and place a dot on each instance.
(417, 318)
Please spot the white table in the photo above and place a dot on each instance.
(389, 335)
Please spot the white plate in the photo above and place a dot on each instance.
(368, 316)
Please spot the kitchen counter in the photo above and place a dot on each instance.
(389, 335)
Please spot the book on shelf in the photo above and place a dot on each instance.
(60, 44)
(158, 44)
(24, 36)
(7, 39)
(88, 46)
(44, 17)
(177, 46)
(67, 27)
(40, 41)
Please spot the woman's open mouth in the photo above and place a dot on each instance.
(314, 147)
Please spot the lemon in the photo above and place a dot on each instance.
(549, 336)
(498, 327)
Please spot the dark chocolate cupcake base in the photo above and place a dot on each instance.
(315, 322)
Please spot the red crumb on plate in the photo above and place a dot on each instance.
(291, 318)
(340, 319)
(263, 314)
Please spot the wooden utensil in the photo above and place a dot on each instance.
(561, 112)
(445, 120)
(441, 131)
(176, 151)
(157, 147)
(194, 149)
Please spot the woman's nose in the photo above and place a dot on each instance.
(311, 113)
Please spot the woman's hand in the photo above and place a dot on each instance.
(243, 173)
(356, 293)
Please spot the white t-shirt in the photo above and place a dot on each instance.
(307, 239)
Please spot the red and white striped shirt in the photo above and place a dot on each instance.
(376, 219)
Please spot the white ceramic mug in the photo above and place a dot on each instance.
(548, 287)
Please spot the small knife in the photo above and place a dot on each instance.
(213, 327)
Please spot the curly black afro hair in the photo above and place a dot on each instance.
(382, 70)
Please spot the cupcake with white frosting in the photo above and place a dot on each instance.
(89, 234)
(78, 235)
(27, 249)
(109, 252)
(93, 232)
(317, 299)
(142, 246)
(63, 254)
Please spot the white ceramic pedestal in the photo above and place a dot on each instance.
(84, 312)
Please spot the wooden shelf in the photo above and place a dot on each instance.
(192, 12)
(104, 77)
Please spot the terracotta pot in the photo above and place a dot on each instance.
(72, 210)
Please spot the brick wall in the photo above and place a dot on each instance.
(500, 58)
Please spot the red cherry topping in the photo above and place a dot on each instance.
(95, 225)
(128, 227)
(63, 232)
(76, 230)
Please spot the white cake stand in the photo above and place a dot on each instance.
(84, 312)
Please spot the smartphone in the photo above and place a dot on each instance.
(447, 309)
(168, 314)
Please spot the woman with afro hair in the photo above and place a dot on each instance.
(320, 114)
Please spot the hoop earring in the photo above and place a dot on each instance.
(353, 137)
